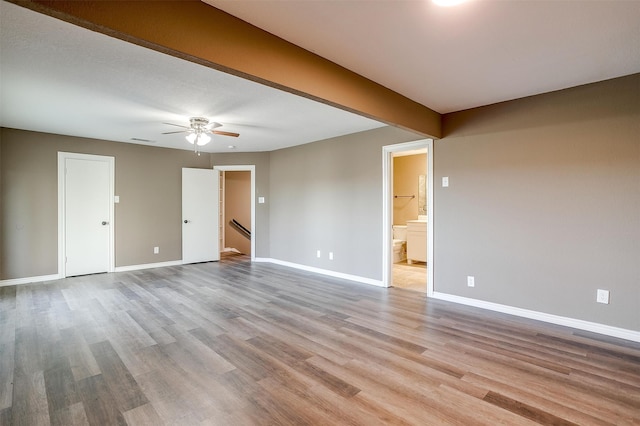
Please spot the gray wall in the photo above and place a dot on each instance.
(327, 196)
(148, 181)
(2, 191)
(1, 209)
(543, 206)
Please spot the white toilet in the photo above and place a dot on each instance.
(399, 243)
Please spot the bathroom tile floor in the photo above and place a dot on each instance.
(411, 277)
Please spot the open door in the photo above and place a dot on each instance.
(200, 215)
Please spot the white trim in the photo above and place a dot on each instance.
(148, 266)
(387, 208)
(334, 274)
(222, 237)
(430, 219)
(29, 280)
(252, 169)
(62, 156)
(608, 330)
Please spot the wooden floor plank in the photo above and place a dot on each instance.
(118, 378)
(235, 342)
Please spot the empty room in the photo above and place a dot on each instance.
(359, 212)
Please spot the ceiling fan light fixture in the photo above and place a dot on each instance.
(191, 137)
(200, 131)
(204, 139)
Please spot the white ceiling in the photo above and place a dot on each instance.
(58, 78)
(454, 58)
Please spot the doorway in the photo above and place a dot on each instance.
(237, 214)
(409, 206)
(85, 214)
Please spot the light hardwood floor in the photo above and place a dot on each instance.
(410, 277)
(236, 343)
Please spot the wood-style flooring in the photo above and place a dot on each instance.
(236, 343)
(411, 277)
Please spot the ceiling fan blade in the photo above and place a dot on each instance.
(178, 125)
(178, 131)
(220, 132)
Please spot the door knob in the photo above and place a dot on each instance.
(186, 221)
(104, 222)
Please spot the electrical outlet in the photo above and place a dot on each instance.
(156, 250)
(318, 254)
(602, 296)
(471, 281)
(330, 255)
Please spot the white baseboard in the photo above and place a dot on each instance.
(29, 280)
(321, 271)
(39, 279)
(608, 330)
(147, 266)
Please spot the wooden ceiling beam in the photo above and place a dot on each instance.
(197, 32)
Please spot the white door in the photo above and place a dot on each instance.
(200, 220)
(87, 215)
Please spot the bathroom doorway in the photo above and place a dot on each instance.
(408, 195)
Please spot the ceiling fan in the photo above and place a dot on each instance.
(199, 130)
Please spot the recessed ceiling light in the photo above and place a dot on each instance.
(448, 2)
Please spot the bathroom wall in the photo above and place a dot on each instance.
(406, 172)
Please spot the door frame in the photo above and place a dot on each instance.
(252, 169)
(62, 249)
(387, 209)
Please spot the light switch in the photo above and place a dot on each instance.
(260, 200)
(116, 199)
(445, 181)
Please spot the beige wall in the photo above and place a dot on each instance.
(406, 172)
(148, 181)
(543, 206)
(237, 205)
